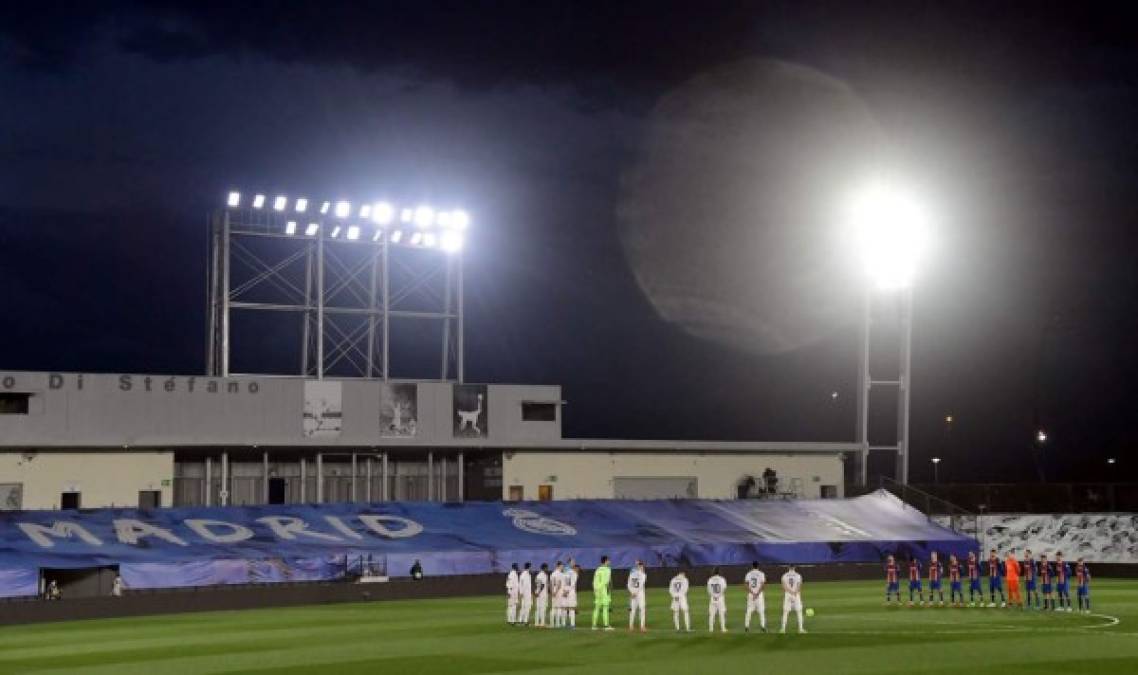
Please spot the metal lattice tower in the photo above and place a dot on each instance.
(349, 281)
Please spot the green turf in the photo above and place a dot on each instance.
(851, 633)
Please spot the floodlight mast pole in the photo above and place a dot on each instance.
(903, 299)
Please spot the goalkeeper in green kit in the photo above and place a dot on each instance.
(602, 598)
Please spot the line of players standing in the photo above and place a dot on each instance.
(1046, 582)
(555, 593)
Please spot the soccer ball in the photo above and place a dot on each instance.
(809, 611)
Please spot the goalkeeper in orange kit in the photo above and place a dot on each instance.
(1011, 573)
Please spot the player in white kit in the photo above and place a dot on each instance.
(570, 594)
(792, 597)
(717, 606)
(637, 580)
(754, 582)
(512, 595)
(678, 587)
(556, 581)
(541, 596)
(525, 595)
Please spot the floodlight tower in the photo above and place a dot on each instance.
(349, 271)
(889, 230)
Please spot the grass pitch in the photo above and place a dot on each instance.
(851, 633)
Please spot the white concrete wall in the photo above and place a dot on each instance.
(589, 475)
(103, 478)
(69, 410)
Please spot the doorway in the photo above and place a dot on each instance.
(69, 501)
(149, 499)
(545, 493)
(84, 582)
(278, 487)
(517, 493)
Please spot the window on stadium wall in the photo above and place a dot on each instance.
(533, 411)
(15, 403)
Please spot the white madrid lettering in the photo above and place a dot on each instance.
(60, 529)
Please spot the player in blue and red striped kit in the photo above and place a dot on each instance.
(1029, 576)
(995, 580)
(955, 589)
(974, 580)
(1062, 582)
(1083, 586)
(1045, 579)
(915, 581)
(892, 580)
(935, 571)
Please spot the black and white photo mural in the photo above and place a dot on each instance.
(323, 408)
(470, 418)
(398, 409)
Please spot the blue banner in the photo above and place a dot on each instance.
(207, 546)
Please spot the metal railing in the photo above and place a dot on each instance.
(1037, 497)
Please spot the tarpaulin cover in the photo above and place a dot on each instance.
(206, 546)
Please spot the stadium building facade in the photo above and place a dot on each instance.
(71, 440)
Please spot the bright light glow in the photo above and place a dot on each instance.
(936, 460)
(416, 238)
(1041, 436)
(382, 213)
(290, 228)
(396, 236)
(343, 209)
(324, 207)
(234, 199)
(258, 201)
(948, 419)
(890, 230)
(424, 216)
(429, 240)
(365, 210)
(280, 203)
(443, 218)
(377, 235)
(335, 231)
(312, 229)
(353, 232)
(1110, 460)
(459, 219)
(301, 205)
(407, 215)
(451, 241)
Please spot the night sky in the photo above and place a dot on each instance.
(123, 125)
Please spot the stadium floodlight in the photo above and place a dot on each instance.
(365, 211)
(407, 215)
(936, 465)
(234, 199)
(429, 240)
(396, 236)
(280, 203)
(416, 238)
(459, 219)
(290, 227)
(1041, 436)
(335, 231)
(451, 241)
(343, 209)
(324, 207)
(353, 232)
(948, 419)
(312, 229)
(424, 216)
(301, 205)
(1111, 460)
(258, 201)
(890, 230)
(382, 213)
